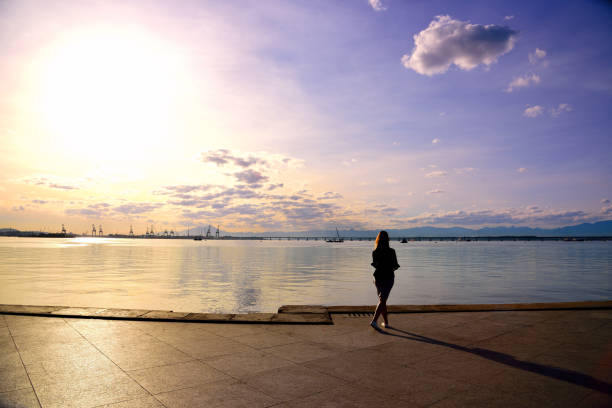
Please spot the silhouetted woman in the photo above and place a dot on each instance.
(385, 263)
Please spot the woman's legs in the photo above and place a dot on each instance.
(381, 309)
(383, 289)
(384, 312)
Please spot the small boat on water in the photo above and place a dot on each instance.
(404, 241)
(336, 239)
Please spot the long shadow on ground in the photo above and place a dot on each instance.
(570, 376)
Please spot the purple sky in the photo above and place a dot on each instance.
(292, 115)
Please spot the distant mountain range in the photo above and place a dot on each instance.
(597, 229)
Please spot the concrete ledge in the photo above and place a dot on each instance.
(607, 304)
(289, 314)
(321, 316)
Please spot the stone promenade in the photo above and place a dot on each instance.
(559, 358)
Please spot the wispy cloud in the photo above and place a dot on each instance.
(377, 5)
(435, 141)
(51, 182)
(563, 107)
(533, 111)
(508, 18)
(435, 191)
(523, 81)
(537, 56)
(330, 195)
(137, 208)
(522, 170)
(437, 173)
(222, 156)
(250, 176)
(527, 216)
(447, 41)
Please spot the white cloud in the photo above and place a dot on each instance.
(377, 5)
(523, 81)
(435, 191)
(605, 201)
(522, 170)
(437, 173)
(447, 41)
(435, 141)
(507, 18)
(537, 56)
(533, 111)
(563, 107)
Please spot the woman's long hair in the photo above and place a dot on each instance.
(382, 240)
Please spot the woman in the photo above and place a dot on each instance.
(385, 263)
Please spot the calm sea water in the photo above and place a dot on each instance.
(242, 276)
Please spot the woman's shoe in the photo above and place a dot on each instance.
(374, 325)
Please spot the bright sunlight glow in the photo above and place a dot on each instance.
(110, 91)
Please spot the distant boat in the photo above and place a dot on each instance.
(336, 239)
(197, 238)
(404, 241)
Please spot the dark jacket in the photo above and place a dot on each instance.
(385, 263)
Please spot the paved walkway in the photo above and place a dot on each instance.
(487, 359)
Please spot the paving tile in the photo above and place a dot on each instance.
(206, 348)
(573, 357)
(6, 340)
(304, 351)
(234, 330)
(480, 397)
(411, 386)
(13, 378)
(543, 387)
(517, 344)
(64, 335)
(23, 398)
(55, 351)
(289, 383)
(365, 337)
(145, 402)
(134, 356)
(10, 360)
(351, 366)
(407, 352)
(218, 394)
(176, 376)
(241, 365)
(180, 333)
(596, 400)
(66, 369)
(89, 392)
(518, 319)
(311, 332)
(264, 340)
(15, 321)
(463, 366)
(346, 396)
(103, 333)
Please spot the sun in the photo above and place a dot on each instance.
(110, 91)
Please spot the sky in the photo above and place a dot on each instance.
(301, 115)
